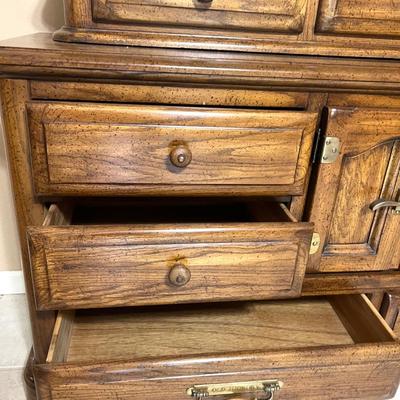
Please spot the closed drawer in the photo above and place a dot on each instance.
(274, 15)
(375, 20)
(80, 148)
(244, 251)
(319, 349)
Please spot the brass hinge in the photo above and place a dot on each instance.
(315, 242)
(330, 150)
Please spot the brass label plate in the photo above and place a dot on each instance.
(220, 389)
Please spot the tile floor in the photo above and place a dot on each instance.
(15, 344)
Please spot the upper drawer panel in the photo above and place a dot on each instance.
(274, 15)
(118, 149)
(362, 17)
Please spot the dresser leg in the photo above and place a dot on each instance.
(30, 388)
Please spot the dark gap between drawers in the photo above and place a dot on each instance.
(178, 211)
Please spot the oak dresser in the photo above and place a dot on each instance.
(208, 198)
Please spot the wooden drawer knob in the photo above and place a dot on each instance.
(180, 156)
(179, 275)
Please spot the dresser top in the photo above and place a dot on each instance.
(38, 55)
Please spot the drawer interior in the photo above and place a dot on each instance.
(137, 333)
(181, 210)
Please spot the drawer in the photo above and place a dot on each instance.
(244, 250)
(274, 15)
(313, 348)
(375, 20)
(86, 149)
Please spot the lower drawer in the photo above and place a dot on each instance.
(318, 348)
(123, 255)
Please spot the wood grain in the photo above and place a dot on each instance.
(61, 339)
(366, 28)
(350, 282)
(276, 15)
(376, 18)
(118, 265)
(39, 56)
(167, 94)
(133, 146)
(361, 319)
(370, 369)
(13, 96)
(353, 237)
(390, 310)
(203, 330)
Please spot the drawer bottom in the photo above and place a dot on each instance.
(336, 348)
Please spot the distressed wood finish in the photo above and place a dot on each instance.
(13, 96)
(353, 237)
(376, 18)
(317, 349)
(38, 56)
(318, 284)
(85, 266)
(263, 151)
(168, 94)
(309, 27)
(276, 15)
(324, 349)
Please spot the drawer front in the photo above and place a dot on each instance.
(275, 15)
(349, 380)
(274, 342)
(90, 148)
(368, 18)
(90, 267)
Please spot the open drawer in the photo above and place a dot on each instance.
(312, 348)
(122, 255)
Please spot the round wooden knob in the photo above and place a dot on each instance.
(179, 275)
(180, 156)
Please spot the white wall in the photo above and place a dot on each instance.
(18, 18)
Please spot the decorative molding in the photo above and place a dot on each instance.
(11, 282)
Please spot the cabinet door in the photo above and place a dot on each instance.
(353, 237)
(370, 18)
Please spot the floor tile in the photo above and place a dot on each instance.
(15, 336)
(11, 384)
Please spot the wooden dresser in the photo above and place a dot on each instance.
(212, 209)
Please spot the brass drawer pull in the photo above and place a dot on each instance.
(255, 390)
(180, 156)
(381, 203)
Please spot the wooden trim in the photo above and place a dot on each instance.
(38, 55)
(347, 283)
(13, 95)
(361, 319)
(59, 346)
(168, 94)
(320, 44)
